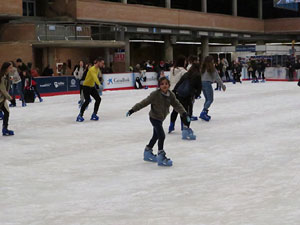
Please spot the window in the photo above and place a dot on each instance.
(29, 8)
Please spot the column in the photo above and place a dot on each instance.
(234, 43)
(260, 9)
(234, 7)
(168, 49)
(168, 4)
(204, 48)
(204, 6)
(127, 53)
(124, 1)
(260, 42)
(107, 57)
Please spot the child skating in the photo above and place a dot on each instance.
(160, 101)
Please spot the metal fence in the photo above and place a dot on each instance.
(52, 32)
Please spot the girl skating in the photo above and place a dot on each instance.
(160, 101)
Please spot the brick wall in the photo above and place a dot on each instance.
(12, 51)
(11, 7)
(17, 32)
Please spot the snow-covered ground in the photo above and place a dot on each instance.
(243, 169)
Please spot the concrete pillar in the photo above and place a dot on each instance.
(52, 59)
(204, 6)
(124, 1)
(45, 58)
(107, 57)
(260, 42)
(260, 9)
(168, 49)
(168, 4)
(204, 48)
(127, 53)
(234, 42)
(234, 8)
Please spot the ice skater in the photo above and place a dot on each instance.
(90, 85)
(176, 72)
(187, 89)
(78, 74)
(160, 101)
(6, 68)
(209, 75)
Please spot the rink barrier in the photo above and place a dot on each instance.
(61, 85)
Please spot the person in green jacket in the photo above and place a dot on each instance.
(6, 68)
(160, 101)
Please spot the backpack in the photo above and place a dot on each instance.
(184, 89)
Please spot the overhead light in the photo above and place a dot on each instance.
(146, 41)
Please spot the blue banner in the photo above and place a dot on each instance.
(56, 84)
(287, 4)
(245, 48)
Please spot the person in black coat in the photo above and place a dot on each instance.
(195, 88)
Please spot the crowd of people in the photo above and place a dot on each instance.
(186, 82)
(16, 78)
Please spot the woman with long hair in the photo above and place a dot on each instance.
(187, 89)
(209, 75)
(6, 69)
(176, 72)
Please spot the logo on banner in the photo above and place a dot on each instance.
(73, 83)
(117, 81)
(45, 85)
(58, 84)
(110, 81)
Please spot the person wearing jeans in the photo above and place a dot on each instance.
(209, 75)
(17, 87)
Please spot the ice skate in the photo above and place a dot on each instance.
(162, 160)
(188, 134)
(171, 127)
(194, 118)
(149, 156)
(79, 118)
(94, 117)
(24, 104)
(6, 132)
(204, 116)
(41, 100)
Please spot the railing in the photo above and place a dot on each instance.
(52, 32)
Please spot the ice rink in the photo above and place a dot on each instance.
(243, 169)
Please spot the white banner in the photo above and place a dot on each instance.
(117, 80)
(275, 73)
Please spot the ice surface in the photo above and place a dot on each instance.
(243, 169)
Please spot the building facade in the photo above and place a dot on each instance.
(125, 32)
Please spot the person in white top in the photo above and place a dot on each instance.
(78, 73)
(176, 72)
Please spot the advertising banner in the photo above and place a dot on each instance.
(120, 80)
(73, 84)
(276, 73)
